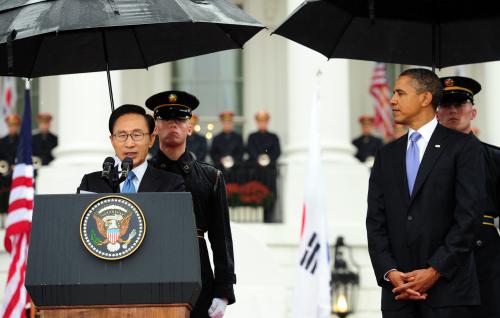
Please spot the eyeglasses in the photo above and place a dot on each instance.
(136, 135)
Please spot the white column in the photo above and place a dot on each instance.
(489, 106)
(83, 113)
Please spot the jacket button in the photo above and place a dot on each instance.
(186, 167)
(479, 243)
(410, 218)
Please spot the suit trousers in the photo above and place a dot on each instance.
(419, 309)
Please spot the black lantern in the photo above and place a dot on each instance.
(345, 281)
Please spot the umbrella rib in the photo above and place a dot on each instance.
(140, 48)
(340, 37)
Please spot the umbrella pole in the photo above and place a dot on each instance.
(110, 87)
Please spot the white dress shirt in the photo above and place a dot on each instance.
(426, 132)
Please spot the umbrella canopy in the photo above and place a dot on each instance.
(435, 33)
(54, 37)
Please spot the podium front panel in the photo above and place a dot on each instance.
(165, 269)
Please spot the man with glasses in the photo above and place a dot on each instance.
(132, 134)
(172, 111)
(457, 111)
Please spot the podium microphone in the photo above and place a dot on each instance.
(127, 165)
(107, 167)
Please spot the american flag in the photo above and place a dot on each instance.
(18, 223)
(380, 91)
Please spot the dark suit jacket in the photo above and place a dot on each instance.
(435, 225)
(154, 180)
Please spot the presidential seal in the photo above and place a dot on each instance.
(112, 227)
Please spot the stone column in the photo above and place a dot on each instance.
(489, 106)
(83, 109)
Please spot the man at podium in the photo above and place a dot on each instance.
(172, 111)
(131, 134)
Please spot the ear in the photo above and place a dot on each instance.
(473, 113)
(426, 99)
(152, 138)
(190, 129)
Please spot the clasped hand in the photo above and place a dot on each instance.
(413, 285)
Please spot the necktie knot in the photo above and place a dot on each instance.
(415, 136)
(130, 175)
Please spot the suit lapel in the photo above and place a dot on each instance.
(434, 149)
(400, 168)
(150, 181)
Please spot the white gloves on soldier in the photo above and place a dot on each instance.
(218, 308)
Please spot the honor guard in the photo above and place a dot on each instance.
(196, 143)
(367, 145)
(44, 141)
(8, 144)
(172, 111)
(227, 147)
(263, 146)
(456, 111)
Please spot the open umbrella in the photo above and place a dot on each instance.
(54, 37)
(435, 33)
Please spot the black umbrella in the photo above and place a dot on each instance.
(54, 37)
(435, 33)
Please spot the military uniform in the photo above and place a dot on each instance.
(487, 239)
(367, 146)
(457, 92)
(263, 142)
(43, 145)
(227, 144)
(197, 145)
(8, 147)
(208, 191)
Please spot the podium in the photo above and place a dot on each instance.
(160, 278)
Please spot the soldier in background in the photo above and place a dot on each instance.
(196, 143)
(8, 144)
(264, 150)
(367, 145)
(8, 147)
(44, 141)
(263, 146)
(456, 111)
(227, 147)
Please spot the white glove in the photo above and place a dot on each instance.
(218, 308)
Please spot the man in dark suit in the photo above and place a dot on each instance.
(132, 135)
(367, 145)
(422, 209)
(456, 111)
(172, 110)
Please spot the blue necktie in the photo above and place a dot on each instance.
(412, 160)
(128, 186)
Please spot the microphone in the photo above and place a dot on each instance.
(107, 167)
(127, 165)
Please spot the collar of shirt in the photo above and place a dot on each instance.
(426, 132)
(139, 172)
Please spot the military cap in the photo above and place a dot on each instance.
(262, 115)
(44, 117)
(13, 119)
(459, 88)
(172, 105)
(366, 119)
(226, 116)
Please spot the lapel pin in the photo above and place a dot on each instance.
(437, 146)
